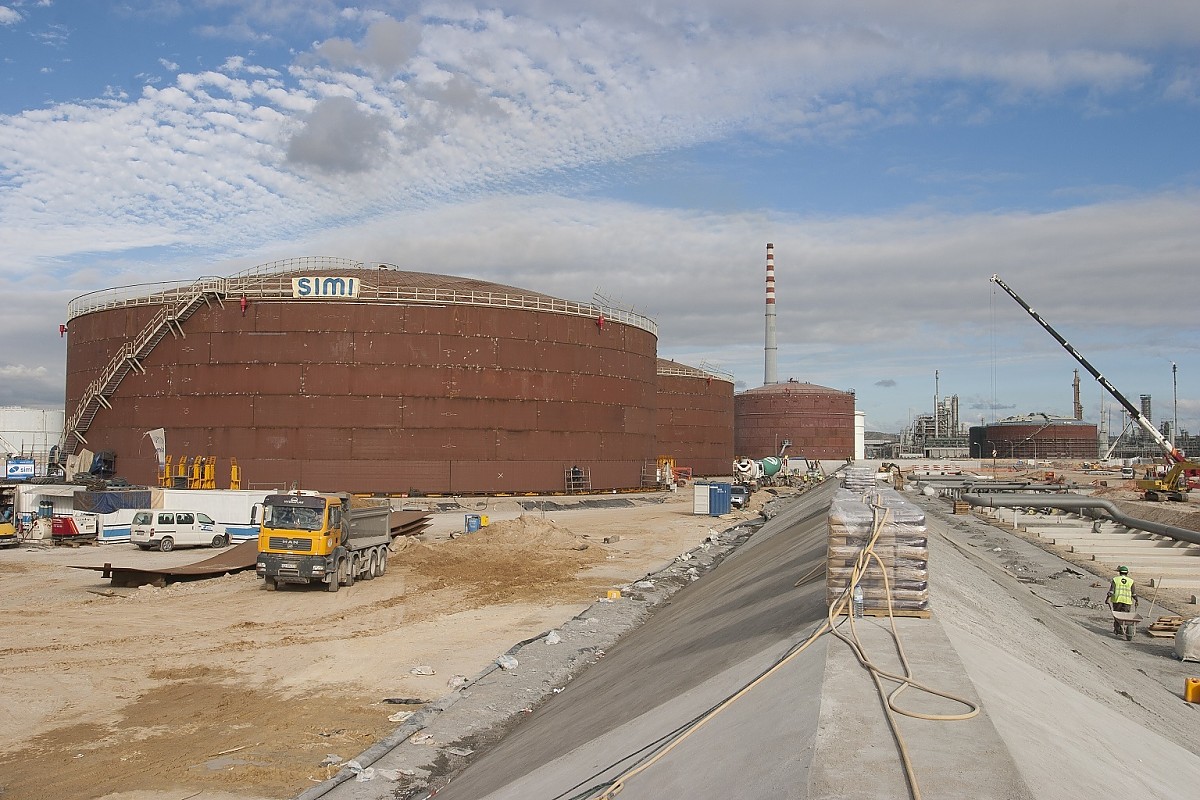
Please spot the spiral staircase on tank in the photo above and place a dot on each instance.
(169, 319)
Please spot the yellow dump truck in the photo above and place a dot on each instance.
(309, 537)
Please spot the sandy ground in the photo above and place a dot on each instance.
(219, 689)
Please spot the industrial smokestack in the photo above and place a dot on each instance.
(771, 371)
(1078, 401)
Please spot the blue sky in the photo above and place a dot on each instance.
(896, 155)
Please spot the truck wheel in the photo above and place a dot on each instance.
(166, 544)
(350, 568)
(381, 562)
(219, 541)
(335, 578)
(368, 566)
(271, 584)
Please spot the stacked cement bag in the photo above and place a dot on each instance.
(902, 546)
(860, 479)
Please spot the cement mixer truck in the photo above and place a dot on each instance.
(756, 472)
(761, 471)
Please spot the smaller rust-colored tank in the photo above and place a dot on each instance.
(1040, 436)
(694, 422)
(817, 420)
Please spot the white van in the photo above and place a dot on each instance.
(167, 530)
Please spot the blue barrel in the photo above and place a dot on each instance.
(473, 523)
(719, 496)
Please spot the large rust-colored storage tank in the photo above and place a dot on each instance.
(818, 421)
(387, 381)
(1040, 436)
(695, 418)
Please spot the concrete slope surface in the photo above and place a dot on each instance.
(1083, 713)
(813, 728)
(714, 637)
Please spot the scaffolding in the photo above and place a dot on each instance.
(578, 480)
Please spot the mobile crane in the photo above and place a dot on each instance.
(1179, 475)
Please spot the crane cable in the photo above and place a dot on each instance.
(865, 556)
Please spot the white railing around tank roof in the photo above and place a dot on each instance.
(682, 370)
(273, 281)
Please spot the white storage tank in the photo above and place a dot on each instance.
(29, 433)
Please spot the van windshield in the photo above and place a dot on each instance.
(293, 518)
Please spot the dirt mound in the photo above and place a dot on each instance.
(528, 532)
(1178, 515)
(1111, 492)
(508, 561)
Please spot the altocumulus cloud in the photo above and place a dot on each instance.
(339, 136)
(387, 46)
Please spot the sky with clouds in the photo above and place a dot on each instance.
(896, 154)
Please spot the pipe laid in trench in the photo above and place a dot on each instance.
(1078, 503)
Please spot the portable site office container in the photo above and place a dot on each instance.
(712, 499)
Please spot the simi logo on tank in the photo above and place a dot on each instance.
(323, 286)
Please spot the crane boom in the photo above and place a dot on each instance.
(1169, 449)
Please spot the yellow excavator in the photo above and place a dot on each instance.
(1174, 484)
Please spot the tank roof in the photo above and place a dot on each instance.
(380, 283)
(793, 386)
(669, 366)
(1038, 418)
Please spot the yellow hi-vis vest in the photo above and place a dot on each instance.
(1122, 589)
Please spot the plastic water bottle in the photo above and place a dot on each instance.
(858, 600)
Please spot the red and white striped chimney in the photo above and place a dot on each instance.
(771, 372)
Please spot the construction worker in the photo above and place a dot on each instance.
(1122, 596)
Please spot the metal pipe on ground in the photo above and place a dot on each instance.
(1081, 504)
